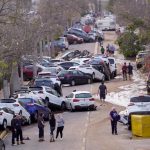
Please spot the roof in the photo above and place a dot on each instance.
(78, 92)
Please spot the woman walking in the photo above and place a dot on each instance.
(52, 123)
(60, 126)
(41, 127)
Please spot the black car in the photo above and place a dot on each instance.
(41, 82)
(74, 77)
(81, 34)
(66, 65)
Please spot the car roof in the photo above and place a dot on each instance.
(143, 98)
(79, 92)
(44, 72)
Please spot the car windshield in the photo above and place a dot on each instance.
(43, 83)
(25, 100)
(111, 61)
(62, 72)
(44, 74)
(36, 88)
(83, 95)
(7, 101)
(140, 99)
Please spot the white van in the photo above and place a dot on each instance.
(106, 24)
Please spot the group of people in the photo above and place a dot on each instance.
(110, 49)
(127, 71)
(16, 127)
(52, 122)
(17, 134)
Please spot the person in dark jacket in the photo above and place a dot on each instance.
(13, 130)
(130, 71)
(114, 117)
(18, 126)
(102, 91)
(124, 71)
(52, 123)
(41, 127)
(58, 89)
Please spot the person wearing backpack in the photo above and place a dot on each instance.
(114, 118)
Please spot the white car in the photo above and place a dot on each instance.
(47, 74)
(80, 99)
(81, 61)
(16, 107)
(6, 115)
(88, 69)
(49, 96)
(113, 66)
(110, 61)
(53, 69)
(124, 117)
(139, 104)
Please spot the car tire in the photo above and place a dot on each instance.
(4, 126)
(63, 106)
(112, 75)
(73, 83)
(108, 78)
(29, 121)
(71, 109)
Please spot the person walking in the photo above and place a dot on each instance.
(124, 71)
(52, 123)
(102, 50)
(102, 91)
(13, 130)
(18, 126)
(60, 126)
(41, 127)
(114, 117)
(130, 71)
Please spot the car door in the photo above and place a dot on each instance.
(9, 116)
(98, 74)
(54, 97)
(76, 77)
(82, 77)
(68, 100)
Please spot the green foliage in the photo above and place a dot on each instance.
(110, 5)
(129, 44)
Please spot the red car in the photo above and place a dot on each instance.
(72, 39)
(28, 72)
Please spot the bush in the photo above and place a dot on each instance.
(129, 44)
